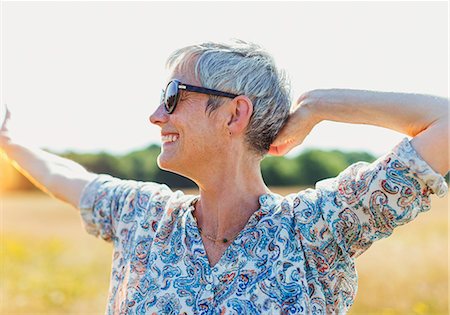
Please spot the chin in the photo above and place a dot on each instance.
(164, 162)
(168, 163)
(175, 166)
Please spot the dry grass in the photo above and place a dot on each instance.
(51, 266)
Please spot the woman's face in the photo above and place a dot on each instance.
(199, 138)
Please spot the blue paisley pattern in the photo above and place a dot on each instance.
(294, 256)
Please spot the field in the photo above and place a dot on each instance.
(50, 265)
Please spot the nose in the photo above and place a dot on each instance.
(160, 116)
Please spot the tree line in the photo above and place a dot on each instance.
(305, 169)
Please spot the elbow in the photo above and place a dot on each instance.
(439, 121)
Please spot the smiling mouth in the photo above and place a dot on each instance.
(169, 138)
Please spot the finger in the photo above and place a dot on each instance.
(8, 113)
(273, 150)
(283, 141)
(5, 115)
(279, 150)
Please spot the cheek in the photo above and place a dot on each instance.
(200, 133)
(196, 127)
(203, 139)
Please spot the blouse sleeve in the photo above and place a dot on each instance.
(107, 201)
(365, 202)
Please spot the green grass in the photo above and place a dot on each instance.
(47, 276)
(49, 264)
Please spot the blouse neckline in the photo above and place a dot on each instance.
(266, 205)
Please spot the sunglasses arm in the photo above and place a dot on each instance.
(205, 90)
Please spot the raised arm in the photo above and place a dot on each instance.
(59, 177)
(423, 117)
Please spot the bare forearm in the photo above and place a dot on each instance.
(423, 117)
(407, 113)
(57, 176)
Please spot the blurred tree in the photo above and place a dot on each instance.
(305, 169)
(280, 171)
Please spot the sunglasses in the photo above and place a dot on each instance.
(171, 94)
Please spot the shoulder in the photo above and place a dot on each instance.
(127, 200)
(304, 203)
(111, 188)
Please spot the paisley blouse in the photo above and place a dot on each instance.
(294, 256)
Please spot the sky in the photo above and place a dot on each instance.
(85, 76)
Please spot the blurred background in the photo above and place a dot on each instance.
(81, 79)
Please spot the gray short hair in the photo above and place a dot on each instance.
(244, 68)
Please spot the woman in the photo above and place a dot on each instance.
(236, 247)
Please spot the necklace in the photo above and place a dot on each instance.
(224, 240)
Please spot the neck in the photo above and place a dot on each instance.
(228, 198)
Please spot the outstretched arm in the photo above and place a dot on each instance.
(57, 176)
(423, 117)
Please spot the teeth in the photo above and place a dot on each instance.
(170, 138)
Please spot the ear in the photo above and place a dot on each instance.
(240, 112)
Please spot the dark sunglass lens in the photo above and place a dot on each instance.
(171, 96)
